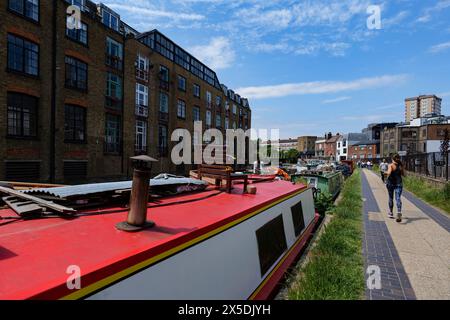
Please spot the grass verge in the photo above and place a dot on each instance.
(439, 197)
(335, 270)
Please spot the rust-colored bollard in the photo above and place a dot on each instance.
(137, 216)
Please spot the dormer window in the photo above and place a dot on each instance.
(110, 20)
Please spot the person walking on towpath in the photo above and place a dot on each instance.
(383, 169)
(394, 186)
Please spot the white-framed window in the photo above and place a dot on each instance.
(218, 100)
(110, 20)
(234, 125)
(196, 89)
(142, 63)
(163, 102)
(196, 113)
(208, 97)
(80, 3)
(181, 109)
(141, 135)
(218, 121)
(208, 117)
(164, 73)
(141, 95)
(234, 109)
(182, 83)
(227, 123)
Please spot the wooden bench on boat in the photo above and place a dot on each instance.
(219, 173)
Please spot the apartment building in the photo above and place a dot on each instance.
(417, 107)
(306, 146)
(80, 102)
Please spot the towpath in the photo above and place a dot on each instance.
(414, 255)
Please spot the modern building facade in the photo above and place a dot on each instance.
(79, 102)
(417, 107)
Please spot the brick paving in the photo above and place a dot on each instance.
(436, 215)
(379, 250)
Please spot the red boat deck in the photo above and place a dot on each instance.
(35, 254)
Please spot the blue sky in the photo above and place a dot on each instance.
(311, 66)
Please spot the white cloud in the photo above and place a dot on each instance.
(150, 13)
(440, 47)
(319, 87)
(431, 11)
(217, 54)
(340, 99)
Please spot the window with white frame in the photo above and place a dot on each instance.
(110, 19)
(181, 109)
(227, 123)
(141, 95)
(196, 113)
(163, 102)
(181, 83)
(218, 121)
(208, 97)
(234, 109)
(141, 135)
(196, 89)
(142, 63)
(208, 117)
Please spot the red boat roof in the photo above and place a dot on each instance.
(35, 254)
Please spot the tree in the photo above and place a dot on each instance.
(444, 150)
(291, 155)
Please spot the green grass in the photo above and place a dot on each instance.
(439, 197)
(336, 269)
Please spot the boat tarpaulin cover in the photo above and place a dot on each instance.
(95, 188)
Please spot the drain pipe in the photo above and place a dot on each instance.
(137, 216)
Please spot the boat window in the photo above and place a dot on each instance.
(271, 243)
(297, 217)
(312, 183)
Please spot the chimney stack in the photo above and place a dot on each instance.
(137, 216)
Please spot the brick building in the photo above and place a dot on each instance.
(306, 146)
(80, 102)
(413, 138)
(331, 146)
(362, 151)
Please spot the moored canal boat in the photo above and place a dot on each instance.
(204, 245)
(323, 181)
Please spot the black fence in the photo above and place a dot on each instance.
(434, 164)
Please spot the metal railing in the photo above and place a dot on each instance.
(433, 164)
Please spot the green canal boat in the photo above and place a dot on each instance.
(324, 182)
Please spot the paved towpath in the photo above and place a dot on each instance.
(414, 255)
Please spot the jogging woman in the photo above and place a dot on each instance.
(395, 186)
